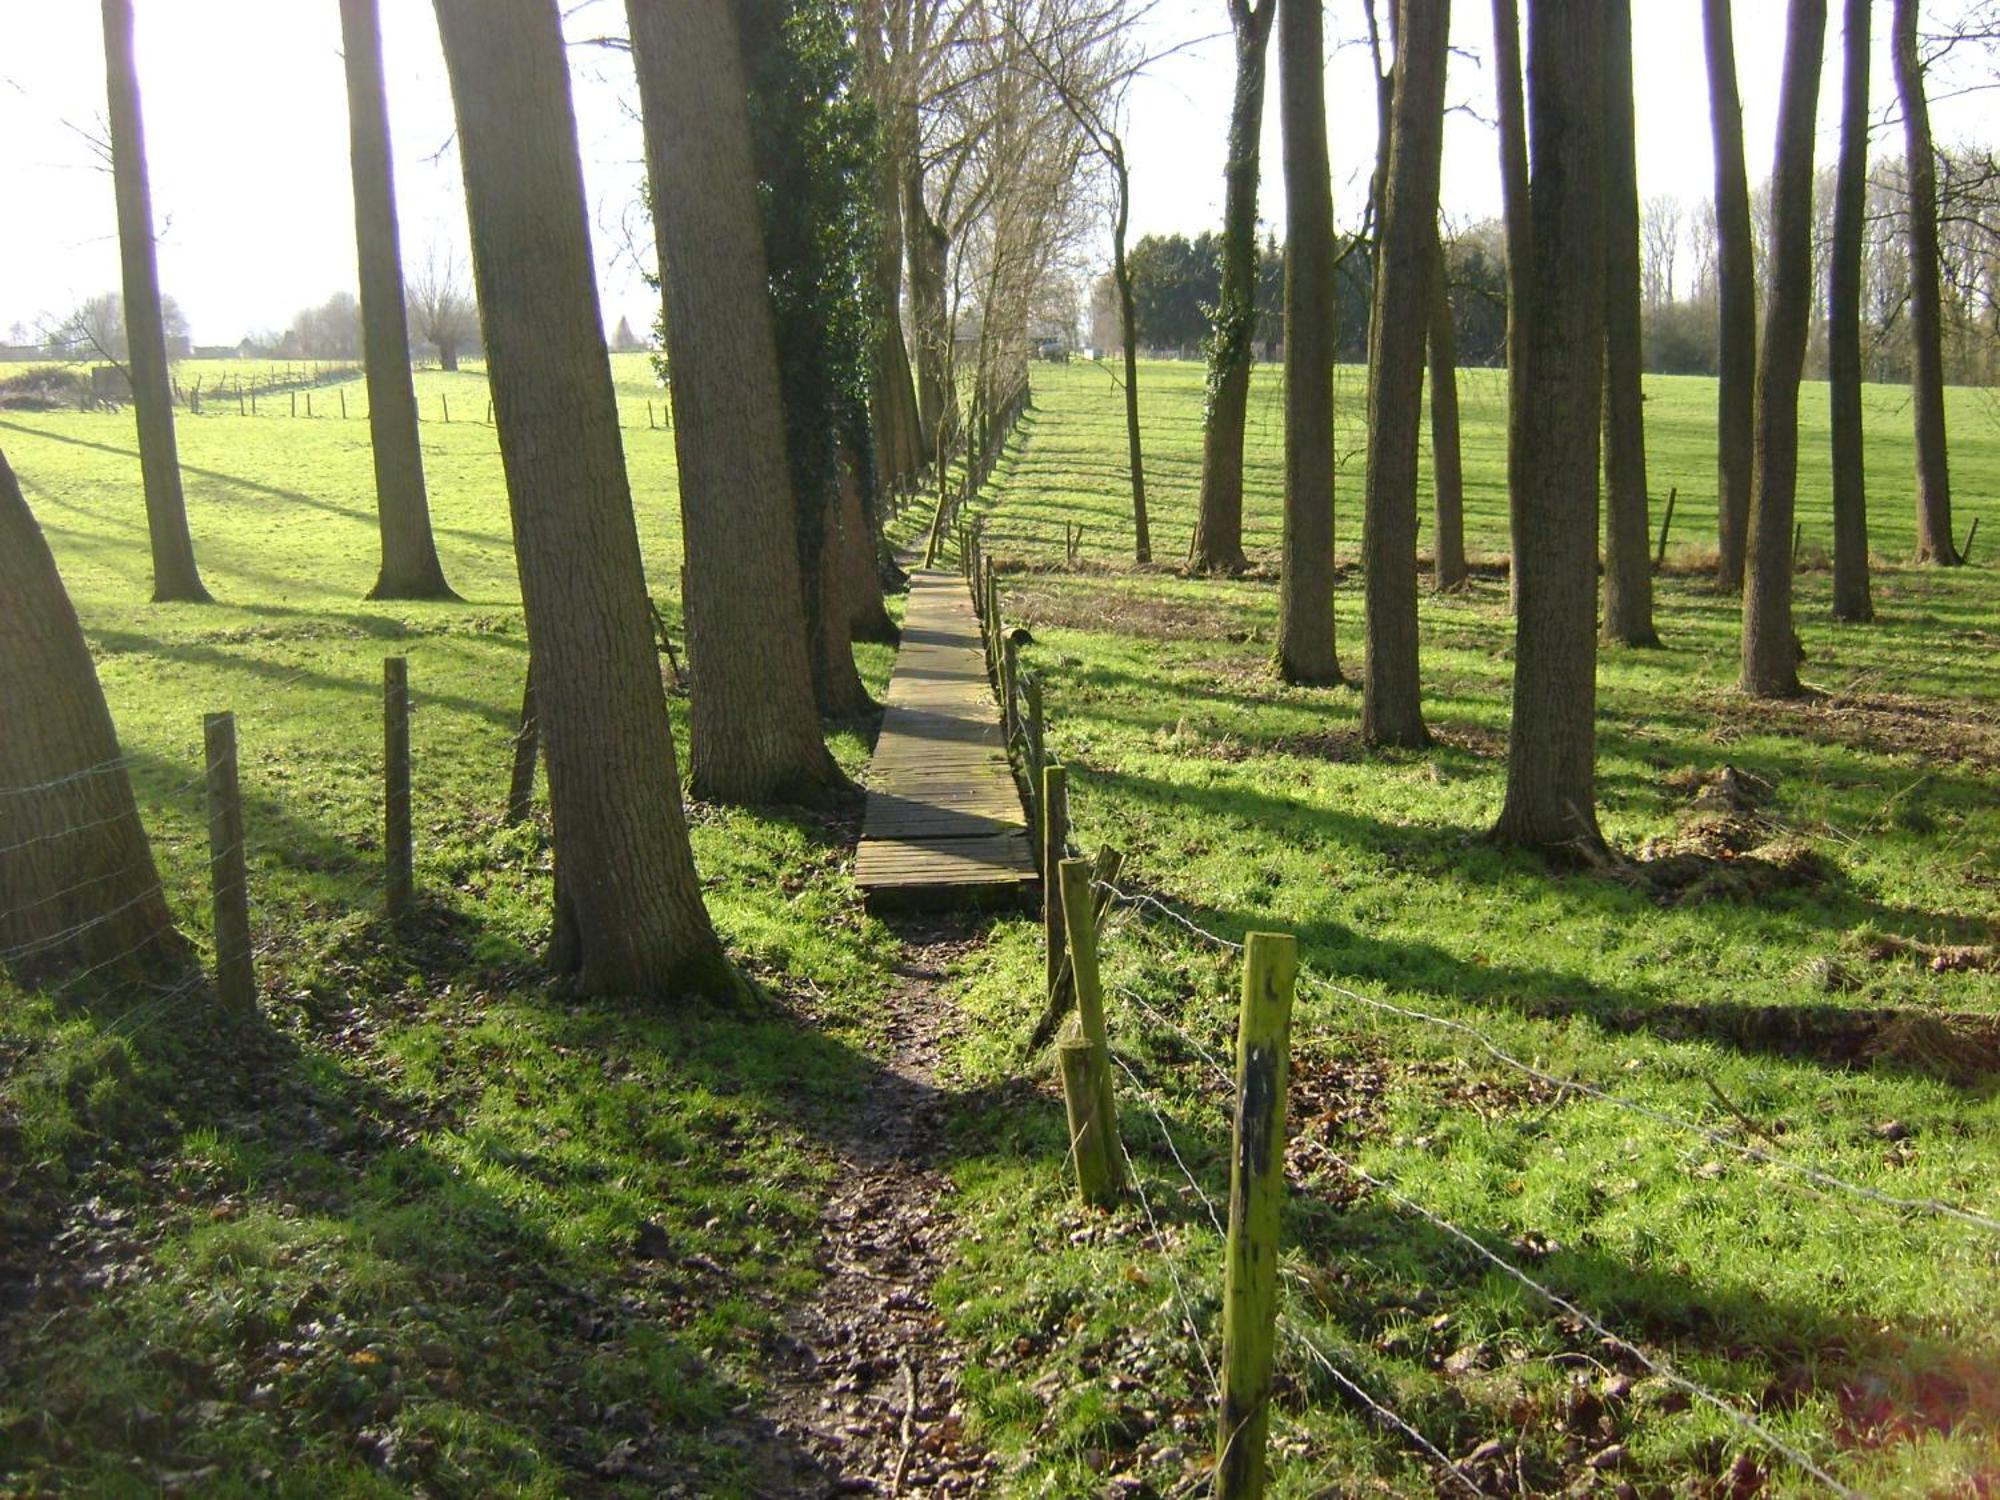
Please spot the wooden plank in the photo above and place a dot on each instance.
(944, 815)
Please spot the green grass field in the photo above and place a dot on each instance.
(389, 1242)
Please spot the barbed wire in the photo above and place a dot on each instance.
(1658, 1365)
(1817, 1176)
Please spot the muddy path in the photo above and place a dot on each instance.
(861, 1379)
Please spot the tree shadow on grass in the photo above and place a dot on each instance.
(1830, 1034)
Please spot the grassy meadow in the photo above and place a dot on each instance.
(388, 1240)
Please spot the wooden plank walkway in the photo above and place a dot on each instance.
(944, 817)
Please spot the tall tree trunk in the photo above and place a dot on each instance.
(1770, 648)
(754, 729)
(861, 559)
(892, 386)
(928, 246)
(1218, 535)
(1935, 543)
(1628, 540)
(1851, 600)
(1511, 111)
(410, 566)
(78, 890)
(1447, 465)
(1405, 277)
(1128, 332)
(1551, 799)
(629, 917)
(1306, 650)
(176, 579)
(1736, 283)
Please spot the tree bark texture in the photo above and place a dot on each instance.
(1551, 799)
(1628, 536)
(1736, 283)
(1218, 535)
(78, 890)
(1770, 648)
(754, 727)
(1935, 543)
(629, 917)
(410, 566)
(1447, 461)
(176, 579)
(1405, 277)
(929, 248)
(892, 390)
(1851, 598)
(1306, 644)
(861, 561)
(1511, 112)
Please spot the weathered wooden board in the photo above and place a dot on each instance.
(944, 817)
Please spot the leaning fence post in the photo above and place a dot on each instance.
(1010, 677)
(1031, 694)
(228, 880)
(521, 786)
(1666, 525)
(396, 840)
(1080, 923)
(1256, 1185)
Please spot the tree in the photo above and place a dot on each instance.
(1405, 276)
(812, 143)
(1660, 232)
(629, 918)
(1851, 599)
(331, 330)
(1736, 310)
(1306, 650)
(442, 311)
(1628, 563)
(1551, 799)
(410, 566)
(1935, 543)
(1218, 534)
(624, 340)
(176, 579)
(1447, 469)
(754, 730)
(96, 330)
(899, 458)
(1089, 83)
(1770, 648)
(1511, 112)
(79, 893)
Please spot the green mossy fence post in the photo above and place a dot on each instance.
(1037, 742)
(397, 850)
(1079, 901)
(228, 877)
(1055, 848)
(1010, 678)
(1256, 1187)
(1078, 1062)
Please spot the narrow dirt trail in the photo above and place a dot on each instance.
(862, 1379)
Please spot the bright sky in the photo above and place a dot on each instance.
(246, 128)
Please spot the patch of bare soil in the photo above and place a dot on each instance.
(862, 1380)
(1121, 612)
(1942, 733)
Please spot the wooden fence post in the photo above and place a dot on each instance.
(1256, 1187)
(1078, 1062)
(228, 878)
(1061, 986)
(521, 786)
(445, 402)
(343, 405)
(309, 404)
(396, 840)
(1055, 849)
(1080, 923)
(295, 403)
(1010, 677)
(1031, 694)
(1666, 525)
